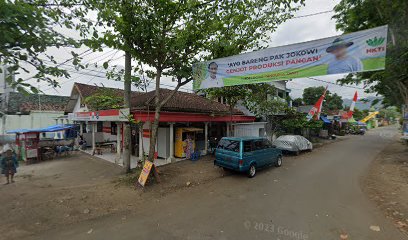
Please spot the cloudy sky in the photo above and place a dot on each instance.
(300, 29)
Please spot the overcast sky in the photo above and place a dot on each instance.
(293, 31)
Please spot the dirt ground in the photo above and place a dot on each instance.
(387, 183)
(81, 187)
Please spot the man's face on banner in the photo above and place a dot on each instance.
(213, 68)
(340, 52)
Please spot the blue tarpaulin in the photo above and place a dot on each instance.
(53, 128)
(325, 120)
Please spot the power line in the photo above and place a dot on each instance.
(320, 80)
(29, 78)
(312, 14)
(87, 71)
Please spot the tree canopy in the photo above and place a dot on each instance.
(331, 102)
(103, 99)
(168, 36)
(29, 29)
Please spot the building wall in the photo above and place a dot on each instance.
(79, 108)
(33, 120)
(256, 129)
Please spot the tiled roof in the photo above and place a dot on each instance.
(87, 90)
(181, 101)
(19, 102)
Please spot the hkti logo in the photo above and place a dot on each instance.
(374, 42)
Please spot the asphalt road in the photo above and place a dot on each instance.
(314, 196)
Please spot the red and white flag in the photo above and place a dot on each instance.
(353, 104)
(349, 114)
(317, 108)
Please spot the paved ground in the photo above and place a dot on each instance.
(314, 196)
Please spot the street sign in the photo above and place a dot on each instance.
(145, 172)
(114, 115)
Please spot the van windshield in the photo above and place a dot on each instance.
(230, 145)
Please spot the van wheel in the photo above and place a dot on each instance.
(252, 171)
(297, 153)
(278, 162)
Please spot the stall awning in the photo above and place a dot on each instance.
(325, 120)
(53, 128)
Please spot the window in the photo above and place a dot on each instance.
(266, 143)
(229, 145)
(114, 128)
(99, 126)
(258, 145)
(248, 146)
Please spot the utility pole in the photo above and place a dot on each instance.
(126, 129)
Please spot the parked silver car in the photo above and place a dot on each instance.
(293, 143)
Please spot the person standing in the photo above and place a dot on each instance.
(9, 164)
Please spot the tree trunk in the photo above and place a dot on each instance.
(126, 128)
(155, 125)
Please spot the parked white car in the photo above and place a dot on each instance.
(293, 143)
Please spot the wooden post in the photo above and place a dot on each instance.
(206, 137)
(118, 142)
(171, 142)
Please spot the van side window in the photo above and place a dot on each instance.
(229, 145)
(266, 143)
(247, 146)
(258, 145)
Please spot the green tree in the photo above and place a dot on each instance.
(358, 115)
(312, 94)
(262, 101)
(104, 99)
(355, 15)
(389, 113)
(28, 29)
(244, 26)
(295, 121)
(297, 102)
(231, 94)
(168, 36)
(331, 101)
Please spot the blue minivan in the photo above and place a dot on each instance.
(246, 154)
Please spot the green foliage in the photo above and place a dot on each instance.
(263, 102)
(245, 26)
(295, 120)
(312, 94)
(331, 102)
(358, 115)
(389, 113)
(28, 29)
(168, 36)
(231, 94)
(297, 102)
(392, 83)
(104, 99)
